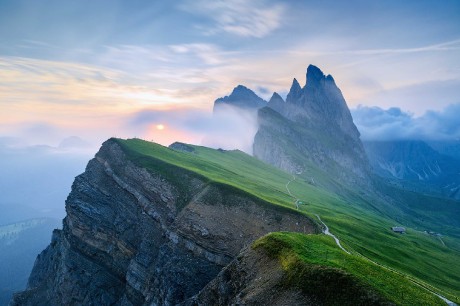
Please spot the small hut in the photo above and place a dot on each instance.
(398, 229)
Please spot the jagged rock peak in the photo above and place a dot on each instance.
(295, 92)
(277, 103)
(241, 89)
(295, 87)
(314, 74)
(242, 92)
(275, 97)
(242, 97)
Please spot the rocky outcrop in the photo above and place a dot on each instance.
(277, 103)
(251, 279)
(256, 278)
(314, 126)
(134, 236)
(241, 97)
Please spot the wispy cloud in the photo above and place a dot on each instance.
(210, 54)
(239, 17)
(452, 45)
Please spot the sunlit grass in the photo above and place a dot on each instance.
(362, 226)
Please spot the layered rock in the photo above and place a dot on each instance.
(147, 237)
(314, 126)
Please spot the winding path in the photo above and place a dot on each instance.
(337, 241)
(327, 232)
(415, 282)
(296, 200)
(326, 228)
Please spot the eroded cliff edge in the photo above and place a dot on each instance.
(155, 237)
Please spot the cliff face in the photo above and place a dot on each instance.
(138, 237)
(313, 125)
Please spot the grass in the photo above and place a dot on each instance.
(315, 265)
(361, 224)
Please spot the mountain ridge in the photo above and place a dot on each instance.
(318, 125)
(241, 97)
(106, 261)
(148, 224)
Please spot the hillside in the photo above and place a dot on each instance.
(176, 197)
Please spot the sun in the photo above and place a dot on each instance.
(160, 127)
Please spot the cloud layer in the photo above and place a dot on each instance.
(376, 123)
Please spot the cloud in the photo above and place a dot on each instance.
(376, 123)
(229, 128)
(208, 53)
(238, 17)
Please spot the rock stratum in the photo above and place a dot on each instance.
(313, 126)
(137, 237)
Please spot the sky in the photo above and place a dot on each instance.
(97, 69)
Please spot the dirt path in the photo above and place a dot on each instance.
(337, 241)
(440, 239)
(327, 232)
(296, 200)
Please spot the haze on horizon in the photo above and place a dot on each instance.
(90, 68)
(98, 69)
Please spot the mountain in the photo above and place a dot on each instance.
(241, 97)
(185, 225)
(134, 236)
(416, 165)
(190, 225)
(312, 128)
(276, 102)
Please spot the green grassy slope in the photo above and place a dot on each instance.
(362, 226)
(309, 262)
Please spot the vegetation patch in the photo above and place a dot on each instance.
(362, 224)
(320, 269)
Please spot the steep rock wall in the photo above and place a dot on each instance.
(135, 237)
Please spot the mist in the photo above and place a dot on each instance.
(227, 128)
(35, 180)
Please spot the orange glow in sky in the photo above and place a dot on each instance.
(166, 135)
